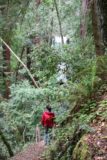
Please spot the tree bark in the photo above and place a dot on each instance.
(103, 19)
(99, 31)
(59, 20)
(6, 12)
(6, 70)
(28, 52)
(51, 30)
(83, 25)
(38, 2)
(99, 22)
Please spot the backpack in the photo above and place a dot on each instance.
(49, 120)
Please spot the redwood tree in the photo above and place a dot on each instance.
(99, 21)
(7, 8)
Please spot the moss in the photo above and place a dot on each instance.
(82, 150)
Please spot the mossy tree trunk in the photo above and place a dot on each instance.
(6, 32)
(99, 22)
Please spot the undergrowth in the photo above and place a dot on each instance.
(88, 112)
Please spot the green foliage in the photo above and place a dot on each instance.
(102, 110)
(19, 25)
(15, 10)
(81, 150)
(18, 113)
(46, 59)
(47, 2)
(23, 111)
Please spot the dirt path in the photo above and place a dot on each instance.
(33, 152)
(98, 140)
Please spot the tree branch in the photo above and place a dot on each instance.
(13, 53)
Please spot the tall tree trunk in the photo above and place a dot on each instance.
(83, 25)
(97, 30)
(99, 22)
(6, 12)
(103, 19)
(28, 52)
(38, 2)
(59, 20)
(6, 33)
(51, 30)
(6, 70)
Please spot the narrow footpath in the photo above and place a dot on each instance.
(32, 152)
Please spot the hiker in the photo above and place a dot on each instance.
(48, 123)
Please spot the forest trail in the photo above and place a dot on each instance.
(32, 152)
(97, 141)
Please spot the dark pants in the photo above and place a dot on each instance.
(48, 135)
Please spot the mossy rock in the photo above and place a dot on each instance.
(82, 150)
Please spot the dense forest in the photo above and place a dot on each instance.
(53, 52)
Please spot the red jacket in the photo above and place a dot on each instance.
(47, 119)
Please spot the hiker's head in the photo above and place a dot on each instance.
(48, 108)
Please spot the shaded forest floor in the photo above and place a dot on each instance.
(32, 152)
